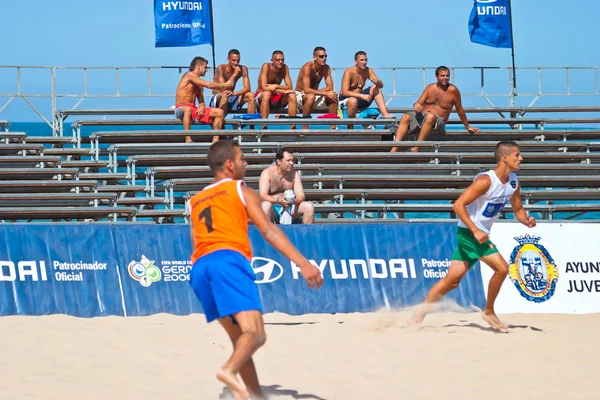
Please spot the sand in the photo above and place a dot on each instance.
(452, 355)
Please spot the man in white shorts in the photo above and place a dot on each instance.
(308, 96)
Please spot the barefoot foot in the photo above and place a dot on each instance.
(229, 379)
(493, 320)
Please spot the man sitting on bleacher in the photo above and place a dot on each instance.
(355, 95)
(433, 109)
(281, 192)
(308, 95)
(226, 99)
(190, 87)
(271, 93)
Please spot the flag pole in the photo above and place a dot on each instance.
(512, 47)
(212, 28)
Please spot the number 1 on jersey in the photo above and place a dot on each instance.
(206, 213)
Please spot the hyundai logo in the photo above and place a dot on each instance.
(487, 1)
(270, 270)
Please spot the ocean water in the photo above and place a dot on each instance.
(42, 129)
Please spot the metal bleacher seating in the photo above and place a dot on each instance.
(146, 174)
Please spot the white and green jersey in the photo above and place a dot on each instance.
(485, 209)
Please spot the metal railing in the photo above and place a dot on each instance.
(484, 83)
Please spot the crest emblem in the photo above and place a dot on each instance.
(532, 269)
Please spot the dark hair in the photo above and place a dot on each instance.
(358, 54)
(318, 48)
(233, 51)
(504, 148)
(440, 69)
(197, 61)
(277, 52)
(219, 152)
(280, 151)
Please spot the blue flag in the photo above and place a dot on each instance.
(489, 23)
(182, 23)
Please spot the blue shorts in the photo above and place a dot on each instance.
(361, 102)
(233, 102)
(224, 282)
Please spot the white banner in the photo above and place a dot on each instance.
(553, 268)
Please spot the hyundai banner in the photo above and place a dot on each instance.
(137, 269)
(490, 23)
(182, 23)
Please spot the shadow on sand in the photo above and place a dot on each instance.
(273, 392)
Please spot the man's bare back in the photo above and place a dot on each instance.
(440, 101)
(187, 92)
(280, 183)
(315, 76)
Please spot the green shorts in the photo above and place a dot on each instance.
(469, 249)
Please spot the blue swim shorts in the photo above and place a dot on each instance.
(224, 282)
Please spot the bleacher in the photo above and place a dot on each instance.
(350, 175)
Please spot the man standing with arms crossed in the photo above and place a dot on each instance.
(221, 275)
(432, 110)
(478, 207)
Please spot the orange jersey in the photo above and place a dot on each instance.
(219, 219)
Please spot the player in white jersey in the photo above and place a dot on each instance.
(478, 207)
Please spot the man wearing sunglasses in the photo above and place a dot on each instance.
(355, 94)
(271, 94)
(308, 95)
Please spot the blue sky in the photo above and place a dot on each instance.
(394, 34)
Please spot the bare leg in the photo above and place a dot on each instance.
(402, 130)
(380, 101)
(332, 109)
(352, 105)
(498, 264)
(268, 209)
(249, 98)
(222, 102)
(307, 211)
(248, 370)
(426, 129)
(187, 122)
(456, 272)
(217, 124)
(251, 339)
(265, 105)
(308, 100)
(289, 100)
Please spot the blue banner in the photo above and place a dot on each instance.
(490, 23)
(90, 270)
(182, 23)
(58, 269)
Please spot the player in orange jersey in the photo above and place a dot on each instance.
(222, 276)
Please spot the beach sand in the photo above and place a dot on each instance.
(451, 355)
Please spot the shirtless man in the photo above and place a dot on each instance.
(433, 109)
(308, 95)
(279, 178)
(190, 87)
(229, 100)
(270, 93)
(354, 93)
